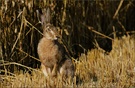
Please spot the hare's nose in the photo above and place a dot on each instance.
(56, 37)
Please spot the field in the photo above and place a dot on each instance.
(98, 34)
(96, 69)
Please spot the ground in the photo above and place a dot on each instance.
(115, 69)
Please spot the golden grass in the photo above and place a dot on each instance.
(113, 70)
(96, 69)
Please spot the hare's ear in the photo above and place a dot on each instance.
(45, 16)
(43, 19)
(48, 15)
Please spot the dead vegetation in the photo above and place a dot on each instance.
(96, 69)
(84, 25)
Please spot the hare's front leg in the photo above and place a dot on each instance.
(45, 70)
(54, 70)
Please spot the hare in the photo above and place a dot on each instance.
(51, 52)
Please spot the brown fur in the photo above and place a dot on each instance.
(52, 53)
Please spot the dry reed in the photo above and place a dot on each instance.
(83, 25)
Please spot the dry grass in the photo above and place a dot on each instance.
(115, 70)
(96, 69)
(81, 23)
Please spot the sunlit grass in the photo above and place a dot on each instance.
(20, 33)
(96, 69)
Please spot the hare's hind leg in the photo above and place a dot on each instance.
(67, 71)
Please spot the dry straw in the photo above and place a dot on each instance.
(96, 69)
(80, 22)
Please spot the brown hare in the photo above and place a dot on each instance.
(51, 52)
